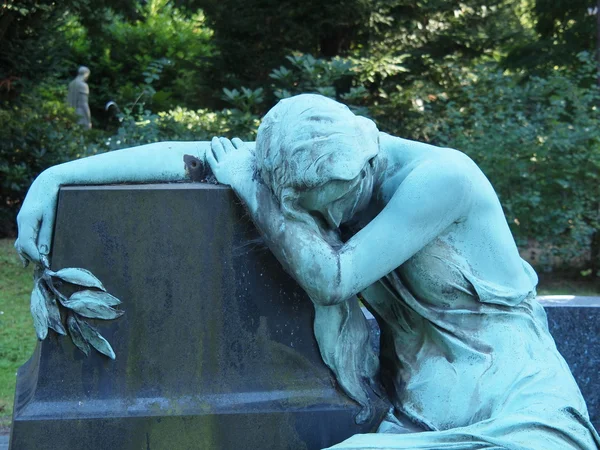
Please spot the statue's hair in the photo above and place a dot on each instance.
(308, 140)
(82, 70)
(303, 143)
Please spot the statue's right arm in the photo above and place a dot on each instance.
(152, 163)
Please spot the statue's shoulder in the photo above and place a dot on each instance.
(421, 150)
(81, 87)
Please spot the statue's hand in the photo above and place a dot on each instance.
(36, 219)
(231, 162)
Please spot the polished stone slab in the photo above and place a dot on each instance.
(575, 325)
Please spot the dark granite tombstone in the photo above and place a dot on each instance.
(575, 326)
(215, 350)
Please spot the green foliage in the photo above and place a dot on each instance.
(123, 54)
(243, 119)
(561, 30)
(179, 124)
(305, 74)
(539, 143)
(142, 96)
(310, 74)
(408, 43)
(32, 46)
(39, 132)
(182, 124)
(254, 37)
(138, 125)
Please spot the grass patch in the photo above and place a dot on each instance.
(17, 336)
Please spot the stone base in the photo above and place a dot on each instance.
(575, 325)
(190, 424)
(215, 350)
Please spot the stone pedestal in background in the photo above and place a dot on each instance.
(215, 350)
(575, 326)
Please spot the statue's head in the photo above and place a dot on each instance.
(83, 72)
(316, 156)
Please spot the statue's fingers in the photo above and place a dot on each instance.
(45, 236)
(27, 251)
(227, 145)
(217, 149)
(23, 259)
(26, 244)
(237, 143)
(211, 159)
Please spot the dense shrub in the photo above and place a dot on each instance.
(39, 132)
(179, 124)
(121, 51)
(538, 141)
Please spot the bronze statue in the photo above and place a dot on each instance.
(78, 96)
(418, 232)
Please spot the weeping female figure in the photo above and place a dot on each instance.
(466, 358)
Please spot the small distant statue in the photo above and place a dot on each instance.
(77, 98)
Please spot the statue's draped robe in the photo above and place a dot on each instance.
(471, 363)
(77, 98)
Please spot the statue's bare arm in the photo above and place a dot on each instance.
(430, 199)
(427, 202)
(160, 162)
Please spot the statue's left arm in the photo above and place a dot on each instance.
(430, 199)
(153, 163)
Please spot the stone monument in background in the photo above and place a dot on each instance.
(78, 96)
